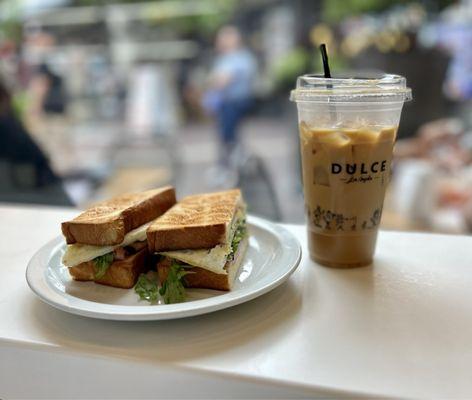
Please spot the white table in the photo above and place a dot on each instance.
(400, 328)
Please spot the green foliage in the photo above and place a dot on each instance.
(20, 103)
(205, 23)
(147, 288)
(10, 21)
(336, 62)
(239, 235)
(102, 263)
(296, 63)
(302, 61)
(336, 10)
(172, 289)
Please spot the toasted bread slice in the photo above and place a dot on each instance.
(202, 278)
(108, 222)
(120, 274)
(196, 222)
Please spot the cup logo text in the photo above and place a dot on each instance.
(362, 168)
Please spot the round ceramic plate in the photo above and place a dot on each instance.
(272, 256)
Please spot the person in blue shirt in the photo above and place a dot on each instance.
(231, 87)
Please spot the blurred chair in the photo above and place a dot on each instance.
(258, 189)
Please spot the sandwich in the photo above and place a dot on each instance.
(107, 243)
(201, 241)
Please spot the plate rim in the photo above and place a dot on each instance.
(42, 288)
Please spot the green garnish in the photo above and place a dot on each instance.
(101, 264)
(146, 288)
(172, 289)
(238, 237)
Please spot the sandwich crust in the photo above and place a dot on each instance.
(108, 222)
(120, 274)
(196, 222)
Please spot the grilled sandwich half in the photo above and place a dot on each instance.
(206, 234)
(107, 242)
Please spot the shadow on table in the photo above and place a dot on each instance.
(252, 324)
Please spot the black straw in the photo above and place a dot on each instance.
(327, 74)
(324, 56)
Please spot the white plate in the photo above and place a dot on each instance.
(273, 254)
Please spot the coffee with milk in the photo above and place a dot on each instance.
(345, 174)
(347, 132)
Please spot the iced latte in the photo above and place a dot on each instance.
(347, 132)
(345, 174)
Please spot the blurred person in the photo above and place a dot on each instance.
(443, 142)
(49, 88)
(230, 91)
(433, 175)
(46, 118)
(24, 169)
(453, 34)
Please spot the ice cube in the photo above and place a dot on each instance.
(364, 135)
(320, 176)
(335, 139)
(305, 132)
(354, 123)
(388, 134)
(304, 128)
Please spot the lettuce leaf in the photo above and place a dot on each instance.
(102, 263)
(147, 288)
(239, 235)
(172, 289)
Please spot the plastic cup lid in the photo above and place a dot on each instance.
(354, 87)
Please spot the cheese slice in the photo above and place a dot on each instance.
(213, 259)
(77, 253)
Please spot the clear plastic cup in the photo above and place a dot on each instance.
(347, 129)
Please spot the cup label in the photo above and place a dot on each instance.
(362, 168)
(328, 220)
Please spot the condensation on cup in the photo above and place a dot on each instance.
(347, 130)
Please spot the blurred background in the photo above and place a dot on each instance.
(103, 97)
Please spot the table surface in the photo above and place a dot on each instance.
(402, 327)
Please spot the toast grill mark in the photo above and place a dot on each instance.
(108, 222)
(196, 222)
(190, 214)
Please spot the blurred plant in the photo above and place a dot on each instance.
(20, 102)
(159, 10)
(337, 62)
(10, 24)
(106, 2)
(393, 30)
(336, 10)
(184, 16)
(213, 15)
(322, 33)
(285, 71)
(10, 29)
(302, 61)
